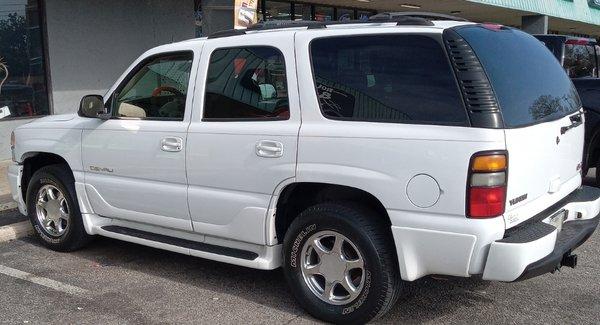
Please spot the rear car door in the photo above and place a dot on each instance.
(135, 161)
(242, 140)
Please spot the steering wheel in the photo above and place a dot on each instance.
(156, 92)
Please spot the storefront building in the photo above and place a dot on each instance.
(52, 52)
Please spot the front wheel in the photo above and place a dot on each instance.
(53, 209)
(340, 263)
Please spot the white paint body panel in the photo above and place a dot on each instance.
(544, 164)
(217, 190)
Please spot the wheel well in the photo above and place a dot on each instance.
(33, 163)
(297, 197)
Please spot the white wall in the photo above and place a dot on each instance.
(91, 42)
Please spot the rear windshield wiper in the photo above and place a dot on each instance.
(576, 121)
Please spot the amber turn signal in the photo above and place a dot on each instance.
(489, 163)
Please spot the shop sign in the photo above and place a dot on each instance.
(245, 13)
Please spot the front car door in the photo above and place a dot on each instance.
(242, 140)
(135, 161)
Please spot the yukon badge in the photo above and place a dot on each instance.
(518, 199)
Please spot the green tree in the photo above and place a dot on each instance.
(13, 44)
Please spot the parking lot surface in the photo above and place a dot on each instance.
(114, 282)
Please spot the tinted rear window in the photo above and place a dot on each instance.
(529, 82)
(386, 78)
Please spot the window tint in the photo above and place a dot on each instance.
(529, 83)
(580, 61)
(157, 90)
(386, 78)
(246, 83)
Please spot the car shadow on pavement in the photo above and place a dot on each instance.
(425, 299)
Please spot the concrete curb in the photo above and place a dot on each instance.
(15, 231)
(8, 206)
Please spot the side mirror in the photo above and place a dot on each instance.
(92, 106)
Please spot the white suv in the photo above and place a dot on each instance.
(356, 156)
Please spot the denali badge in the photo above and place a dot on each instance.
(518, 199)
(101, 169)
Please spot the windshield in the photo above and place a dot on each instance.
(529, 83)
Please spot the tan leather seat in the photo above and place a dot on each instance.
(129, 110)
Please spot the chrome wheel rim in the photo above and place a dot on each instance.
(52, 210)
(332, 267)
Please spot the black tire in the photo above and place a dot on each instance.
(74, 236)
(373, 239)
(597, 179)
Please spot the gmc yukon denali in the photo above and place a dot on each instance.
(356, 156)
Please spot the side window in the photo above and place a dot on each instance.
(246, 83)
(579, 60)
(386, 78)
(157, 90)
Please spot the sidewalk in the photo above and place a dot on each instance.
(4, 188)
(6, 201)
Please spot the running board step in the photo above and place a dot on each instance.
(208, 248)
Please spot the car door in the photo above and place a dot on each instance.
(242, 140)
(135, 161)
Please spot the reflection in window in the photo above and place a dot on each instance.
(23, 91)
(246, 83)
(393, 78)
(158, 90)
(580, 61)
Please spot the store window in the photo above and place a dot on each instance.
(276, 10)
(344, 14)
(302, 11)
(23, 88)
(324, 13)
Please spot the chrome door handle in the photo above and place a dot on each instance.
(171, 144)
(269, 149)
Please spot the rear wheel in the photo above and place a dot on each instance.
(53, 209)
(340, 263)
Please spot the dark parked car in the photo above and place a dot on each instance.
(581, 59)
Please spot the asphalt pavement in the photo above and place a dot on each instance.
(112, 282)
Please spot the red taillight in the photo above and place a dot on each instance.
(486, 187)
(486, 202)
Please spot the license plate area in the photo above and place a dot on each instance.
(557, 219)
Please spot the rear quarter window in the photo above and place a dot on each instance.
(386, 78)
(530, 85)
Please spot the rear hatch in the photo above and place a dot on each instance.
(542, 118)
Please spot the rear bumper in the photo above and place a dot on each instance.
(536, 248)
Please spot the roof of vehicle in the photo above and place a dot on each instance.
(400, 19)
(567, 39)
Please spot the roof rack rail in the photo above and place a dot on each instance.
(416, 14)
(408, 18)
(276, 24)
